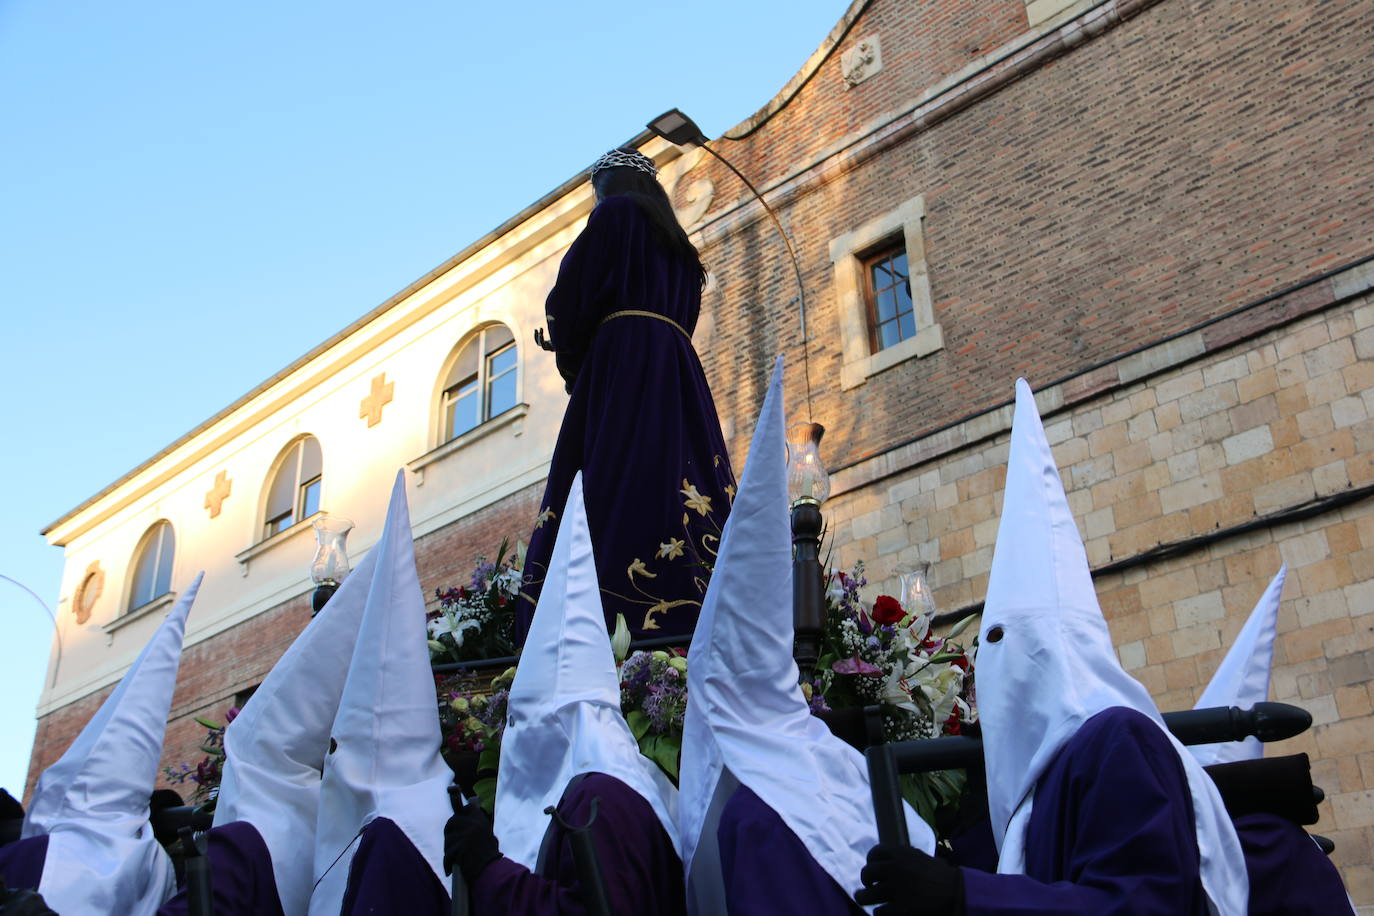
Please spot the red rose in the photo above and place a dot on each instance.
(887, 610)
(960, 662)
(952, 724)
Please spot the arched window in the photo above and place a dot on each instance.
(294, 493)
(152, 574)
(481, 381)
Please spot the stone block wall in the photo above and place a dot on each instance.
(1281, 419)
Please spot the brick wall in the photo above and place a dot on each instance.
(1246, 430)
(1195, 157)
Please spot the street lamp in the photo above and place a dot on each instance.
(808, 483)
(330, 565)
(680, 130)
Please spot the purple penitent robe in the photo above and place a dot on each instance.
(21, 862)
(641, 426)
(1111, 830)
(1288, 874)
(241, 881)
(765, 867)
(639, 867)
(388, 875)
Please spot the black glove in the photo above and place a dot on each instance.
(22, 902)
(910, 883)
(469, 843)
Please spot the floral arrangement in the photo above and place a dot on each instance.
(477, 620)
(653, 698)
(472, 721)
(881, 654)
(210, 770)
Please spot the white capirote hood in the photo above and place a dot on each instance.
(1055, 666)
(746, 713)
(1242, 679)
(93, 802)
(275, 748)
(385, 761)
(563, 716)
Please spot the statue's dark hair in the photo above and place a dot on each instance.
(644, 190)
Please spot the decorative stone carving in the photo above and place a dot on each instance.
(92, 581)
(698, 195)
(380, 395)
(214, 500)
(861, 61)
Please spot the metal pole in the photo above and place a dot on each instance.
(458, 888)
(588, 864)
(199, 900)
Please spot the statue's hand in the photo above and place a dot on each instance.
(542, 340)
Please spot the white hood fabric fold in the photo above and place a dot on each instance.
(386, 760)
(275, 747)
(564, 716)
(1242, 679)
(93, 802)
(747, 718)
(1055, 666)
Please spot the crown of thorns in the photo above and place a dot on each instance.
(628, 158)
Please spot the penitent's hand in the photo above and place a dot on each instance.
(910, 883)
(469, 842)
(542, 340)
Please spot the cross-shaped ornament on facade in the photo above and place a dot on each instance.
(371, 406)
(214, 500)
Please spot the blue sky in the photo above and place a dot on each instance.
(191, 196)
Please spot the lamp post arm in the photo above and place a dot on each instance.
(796, 265)
(57, 631)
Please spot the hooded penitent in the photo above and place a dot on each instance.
(747, 718)
(276, 746)
(1243, 677)
(385, 759)
(564, 716)
(93, 802)
(1053, 666)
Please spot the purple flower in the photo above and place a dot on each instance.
(856, 665)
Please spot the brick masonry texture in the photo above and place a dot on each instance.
(1189, 158)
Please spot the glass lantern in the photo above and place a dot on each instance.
(807, 479)
(915, 595)
(331, 554)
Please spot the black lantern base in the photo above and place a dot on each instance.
(808, 597)
(323, 592)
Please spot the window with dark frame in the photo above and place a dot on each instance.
(294, 494)
(152, 576)
(887, 290)
(481, 384)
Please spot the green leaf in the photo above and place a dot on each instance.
(207, 723)
(665, 754)
(485, 790)
(639, 724)
(214, 750)
(489, 759)
(962, 625)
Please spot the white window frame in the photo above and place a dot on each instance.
(847, 251)
(484, 380)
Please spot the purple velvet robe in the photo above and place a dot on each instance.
(767, 870)
(388, 875)
(1111, 830)
(641, 426)
(21, 862)
(241, 881)
(640, 868)
(1288, 873)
